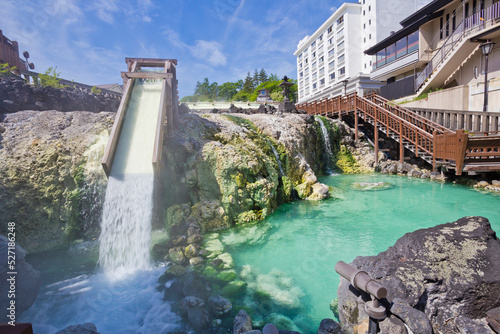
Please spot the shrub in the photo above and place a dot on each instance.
(49, 78)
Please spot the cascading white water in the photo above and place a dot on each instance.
(326, 141)
(277, 155)
(126, 223)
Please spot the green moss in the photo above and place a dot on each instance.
(346, 162)
(243, 122)
(234, 288)
(209, 272)
(226, 276)
(261, 296)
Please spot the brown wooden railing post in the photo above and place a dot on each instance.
(401, 147)
(434, 150)
(463, 139)
(375, 129)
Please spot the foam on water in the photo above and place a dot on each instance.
(129, 305)
(326, 141)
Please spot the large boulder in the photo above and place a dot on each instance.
(26, 282)
(445, 277)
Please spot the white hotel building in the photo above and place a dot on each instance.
(332, 58)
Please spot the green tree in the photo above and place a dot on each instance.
(95, 90)
(242, 95)
(229, 89)
(6, 69)
(248, 84)
(213, 91)
(188, 98)
(255, 78)
(262, 76)
(50, 78)
(202, 90)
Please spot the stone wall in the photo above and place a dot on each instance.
(16, 95)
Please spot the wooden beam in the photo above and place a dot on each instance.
(109, 152)
(401, 147)
(147, 75)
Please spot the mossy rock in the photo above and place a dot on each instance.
(176, 214)
(226, 276)
(234, 288)
(209, 272)
(261, 296)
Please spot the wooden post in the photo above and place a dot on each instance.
(434, 135)
(355, 124)
(375, 130)
(401, 147)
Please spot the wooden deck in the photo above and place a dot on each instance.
(428, 140)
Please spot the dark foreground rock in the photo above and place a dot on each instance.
(26, 283)
(442, 279)
(87, 328)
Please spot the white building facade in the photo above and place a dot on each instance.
(331, 61)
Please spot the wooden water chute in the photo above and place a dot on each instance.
(167, 113)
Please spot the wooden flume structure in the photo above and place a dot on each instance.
(436, 144)
(167, 113)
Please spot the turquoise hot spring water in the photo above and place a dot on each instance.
(291, 254)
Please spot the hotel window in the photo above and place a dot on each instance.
(301, 74)
(315, 75)
(332, 76)
(320, 38)
(321, 59)
(331, 64)
(454, 21)
(341, 71)
(313, 44)
(330, 29)
(300, 65)
(340, 33)
(363, 12)
(340, 20)
(447, 25)
(314, 65)
(322, 71)
(364, 40)
(305, 61)
(441, 27)
(322, 82)
(369, 8)
(364, 25)
(300, 57)
(314, 54)
(330, 41)
(340, 46)
(341, 59)
(331, 53)
(370, 22)
(370, 36)
(314, 86)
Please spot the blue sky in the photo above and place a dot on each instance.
(219, 39)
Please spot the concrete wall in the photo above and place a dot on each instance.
(456, 98)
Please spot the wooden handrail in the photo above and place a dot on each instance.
(424, 136)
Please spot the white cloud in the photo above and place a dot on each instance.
(210, 51)
(333, 9)
(105, 10)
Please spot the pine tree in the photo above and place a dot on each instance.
(255, 78)
(262, 76)
(248, 84)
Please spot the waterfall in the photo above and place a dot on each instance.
(326, 141)
(277, 156)
(128, 205)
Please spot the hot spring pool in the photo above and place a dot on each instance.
(291, 256)
(293, 253)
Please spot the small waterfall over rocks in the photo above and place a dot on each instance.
(277, 156)
(327, 144)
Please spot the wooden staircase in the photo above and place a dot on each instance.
(428, 140)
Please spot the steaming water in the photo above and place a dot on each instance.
(126, 224)
(130, 305)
